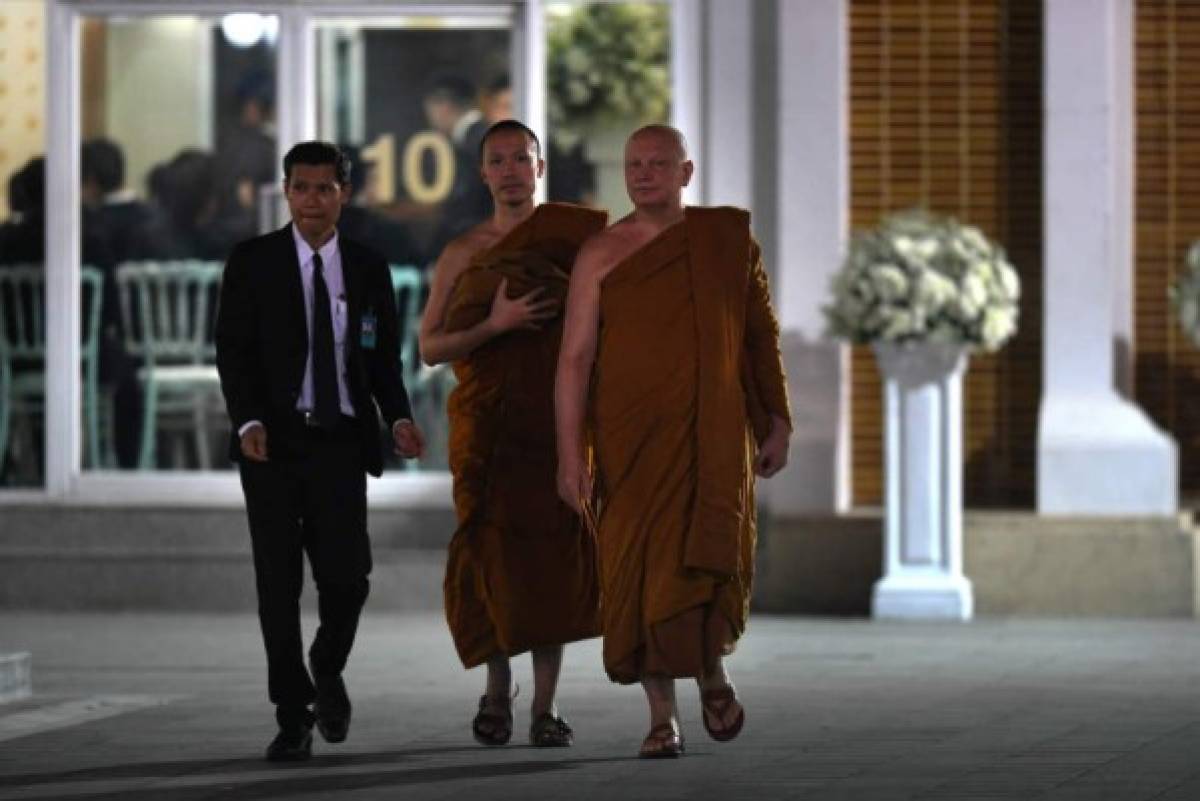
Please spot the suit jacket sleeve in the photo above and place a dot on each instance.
(236, 340)
(386, 370)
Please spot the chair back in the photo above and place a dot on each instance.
(168, 309)
(408, 284)
(23, 312)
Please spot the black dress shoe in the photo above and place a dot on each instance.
(332, 708)
(291, 744)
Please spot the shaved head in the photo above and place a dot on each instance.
(657, 169)
(664, 133)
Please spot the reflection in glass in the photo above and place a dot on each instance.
(22, 237)
(179, 143)
(410, 99)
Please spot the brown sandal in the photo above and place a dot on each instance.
(549, 731)
(716, 703)
(663, 742)
(499, 727)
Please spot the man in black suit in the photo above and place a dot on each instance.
(307, 346)
(451, 108)
(113, 214)
(114, 210)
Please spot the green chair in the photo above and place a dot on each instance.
(168, 312)
(408, 285)
(23, 353)
(427, 386)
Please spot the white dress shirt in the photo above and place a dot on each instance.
(331, 261)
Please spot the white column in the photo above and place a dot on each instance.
(729, 118)
(1097, 453)
(687, 82)
(813, 198)
(529, 71)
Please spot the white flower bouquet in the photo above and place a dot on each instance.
(1185, 294)
(921, 278)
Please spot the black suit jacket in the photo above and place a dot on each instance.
(262, 343)
(469, 201)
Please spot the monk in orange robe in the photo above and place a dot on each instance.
(669, 324)
(521, 570)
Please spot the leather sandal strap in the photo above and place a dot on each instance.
(503, 701)
(550, 730)
(725, 694)
(719, 701)
(662, 739)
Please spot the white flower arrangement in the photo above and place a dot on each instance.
(920, 278)
(1185, 294)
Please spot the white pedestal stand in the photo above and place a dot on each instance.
(923, 576)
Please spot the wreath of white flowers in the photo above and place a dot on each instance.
(923, 278)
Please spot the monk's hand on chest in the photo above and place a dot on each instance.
(529, 311)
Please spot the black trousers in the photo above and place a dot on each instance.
(312, 501)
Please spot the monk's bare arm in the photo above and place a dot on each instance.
(576, 356)
(439, 345)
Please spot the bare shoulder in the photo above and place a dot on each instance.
(602, 252)
(456, 256)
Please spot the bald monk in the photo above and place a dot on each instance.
(521, 572)
(669, 323)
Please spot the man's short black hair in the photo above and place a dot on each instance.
(499, 84)
(187, 186)
(451, 88)
(257, 85)
(510, 125)
(27, 188)
(104, 163)
(317, 153)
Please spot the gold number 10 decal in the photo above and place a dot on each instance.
(382, 154)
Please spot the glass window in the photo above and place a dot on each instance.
(410, 100)
(178, 158)
(607, 73)
(22, 232)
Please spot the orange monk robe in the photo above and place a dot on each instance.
(521, 571)
(688, 372)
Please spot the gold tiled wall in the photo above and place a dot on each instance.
(945, 113)
(22, 87)
(1167, 364)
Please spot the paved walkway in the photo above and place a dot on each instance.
(148, 707)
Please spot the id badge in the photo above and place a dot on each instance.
(367, 335)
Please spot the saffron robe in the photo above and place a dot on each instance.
(688, 373)
(521, 570)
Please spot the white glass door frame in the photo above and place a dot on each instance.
(65, 480)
